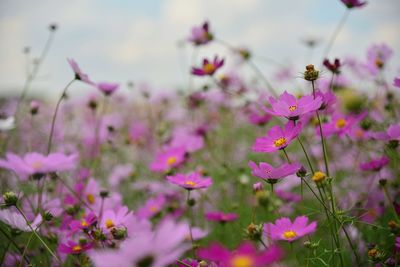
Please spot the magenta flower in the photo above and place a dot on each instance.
(218, 216)
(277, 138)
(291, 108)
(392, 133)
(397, 243)
(151, 208)
(166, 160)
(333, 67)
(38, 164)
(284, 229)
(353, 3)
(79, 75)
(396, 82)
(74, 248)
(112, 219)
(340, 124)
(246, 255)
(375, 164)
(190, 181)
(267, 172)
(377, 57)
(201, 35)
(107, 88)
(83, 224)
(208, 68)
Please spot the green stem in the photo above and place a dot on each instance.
(37, 235)
(53, 122)
(190, 220)
(14, 244)
(286, 156)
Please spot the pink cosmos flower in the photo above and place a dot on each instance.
(245, 255)
(291, 108)
(284, 229)
(160, 247)
(201, 35)
(377, 57)
(72, 247)
(267, 172)
(190, 181)
(107, 88)
(218, 216)
(112, 219)
(392, 133)
(187, 139)
(396, 82)
(209, 67)
(375, 164)
(257, 116)
(166, 160)
(353, 3)
(340, 124)
(17, 221)
(328, 99)
(79, 75)
(35, 163)
(277, 138)
(151, 208)
(84, 223)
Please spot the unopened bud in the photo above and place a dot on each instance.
(10, 198)
(311, 74)
(318, 177)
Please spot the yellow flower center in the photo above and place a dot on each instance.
(90, 198)
(280, 142)
(109, 223)
(153, 208)
(318, 176)
(190, 183)
(36, 165)
(76, 248)
(340, 123)
(289, 234)
(84, 223)
(171, 160)
(293, 108)
(242, 261)
(379, 63)
(209, 68)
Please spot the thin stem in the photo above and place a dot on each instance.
(190, 220)
(389, 199)
(286, 156)
(5, 253)
(33, 74)
(181, 262)
(37, 235)
(53, 122)
(262, 77)
(336, 33)
(262, 243)
(28, 243)
(14, 244)
(306, 154)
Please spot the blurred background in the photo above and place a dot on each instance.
(143, 41)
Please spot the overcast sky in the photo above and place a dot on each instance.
(137, 40)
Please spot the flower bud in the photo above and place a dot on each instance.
(119, 233)
(311, 74)
(34, 107)
(258, 187)
(10, 198)
(104, 193)
(254, 231)
(47, 216)
(301, 172)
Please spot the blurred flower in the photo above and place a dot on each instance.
(289, 107)
(284, 229)
(353, 3)
(35, 163)
(112, 219)
(190, 181)
(17, 221)
(168, 159)
(201, 35)
(84, 223)
(267, 172)
(333, 67)
(377, 57)
(277, 138)
(375, 164)
(79, 75)
(72, 247)
(151, 208)
(208, 68)
(107, 88)
(246, 255)
(396, 82)
(218, 216)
